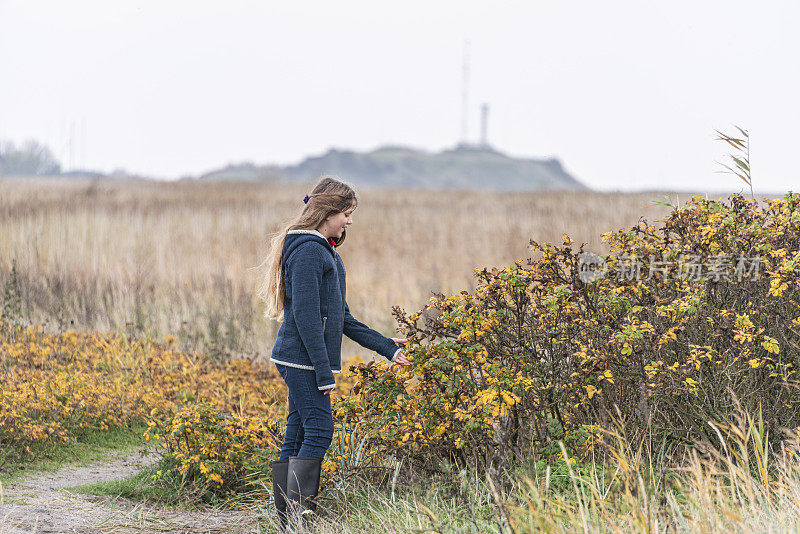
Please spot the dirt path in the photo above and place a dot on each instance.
(41, 504)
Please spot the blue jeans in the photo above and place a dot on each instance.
(309, 424)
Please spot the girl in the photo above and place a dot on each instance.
(306, 280)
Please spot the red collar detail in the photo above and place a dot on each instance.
(331, 241)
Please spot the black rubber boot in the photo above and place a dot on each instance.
(280, 469)
(302, 485)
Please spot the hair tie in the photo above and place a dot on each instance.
(305, 200)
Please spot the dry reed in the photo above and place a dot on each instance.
(176, 257)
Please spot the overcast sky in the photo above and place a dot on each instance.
(626, 94)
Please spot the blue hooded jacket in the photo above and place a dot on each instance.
(316, 312)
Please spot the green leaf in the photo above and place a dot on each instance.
(744, 132)
(741, 163)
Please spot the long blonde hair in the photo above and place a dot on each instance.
(329, 197)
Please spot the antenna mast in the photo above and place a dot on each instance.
(465, 95)
(484, 125)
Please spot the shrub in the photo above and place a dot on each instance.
(54, 388)
(217, 453)
(713, 321)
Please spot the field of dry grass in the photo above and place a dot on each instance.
(139, 256)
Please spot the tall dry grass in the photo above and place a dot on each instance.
(735, 485)
(176, 257)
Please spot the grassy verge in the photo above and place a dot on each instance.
(138, 487)
(91, 446)
(740, 486)
(703, 500)
(460, 502)
(158, 484)
(456, 504)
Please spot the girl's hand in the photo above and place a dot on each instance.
(327, 391)
(401, 358)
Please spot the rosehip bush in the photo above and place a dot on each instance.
(686, 319)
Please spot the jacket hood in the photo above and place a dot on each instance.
(295, 238)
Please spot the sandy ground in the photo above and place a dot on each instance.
(41, 504)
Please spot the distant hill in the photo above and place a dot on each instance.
(465, 167)
(244, 172)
